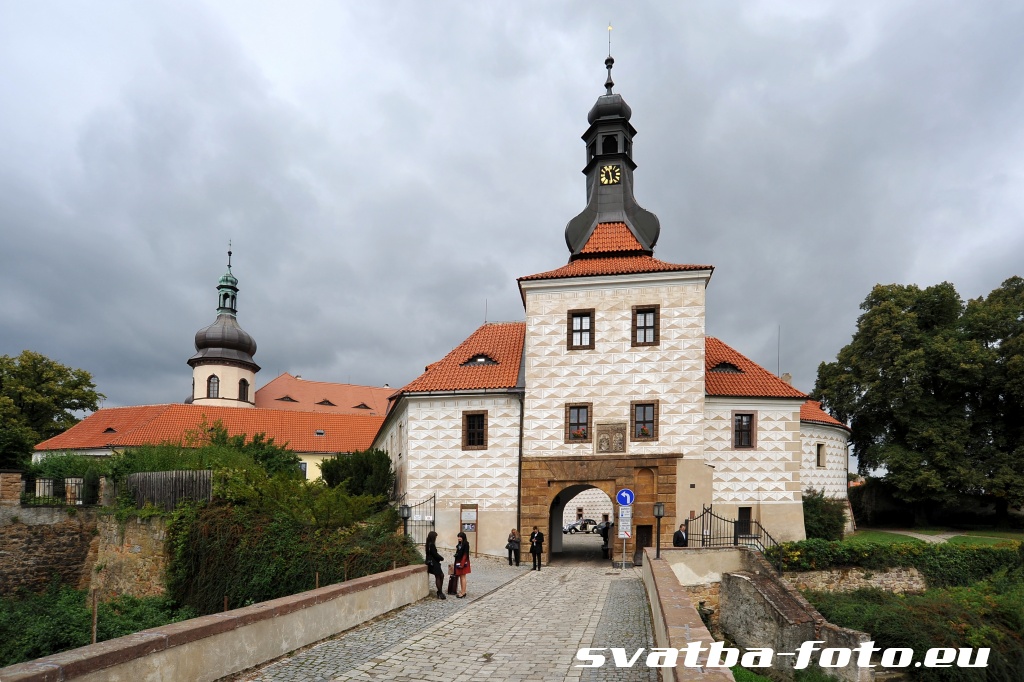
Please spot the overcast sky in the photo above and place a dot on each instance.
(386, 170)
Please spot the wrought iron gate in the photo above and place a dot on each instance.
(711, 530)
(421, 520)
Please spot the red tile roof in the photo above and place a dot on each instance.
(751, 381)
(309, 396)
(611, 237)
(615, 265)
(811, 411)
(155, 424)
(500, 342)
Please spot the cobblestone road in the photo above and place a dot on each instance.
(516, 625)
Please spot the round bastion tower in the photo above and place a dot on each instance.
(223, 371)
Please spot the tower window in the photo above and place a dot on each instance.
(591, 150)
(577, 423)
(581, 329)
(609, 145)
(645, 325)
(243, 390)
(645, 421)
(213, 387)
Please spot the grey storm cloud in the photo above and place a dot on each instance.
(386, 170)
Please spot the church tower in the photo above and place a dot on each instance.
(223, 371)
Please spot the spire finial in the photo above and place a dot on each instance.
(609, 62)
(229, 255)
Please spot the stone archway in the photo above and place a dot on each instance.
(549, 482)
(584, 545)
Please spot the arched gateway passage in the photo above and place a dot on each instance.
(585, 510)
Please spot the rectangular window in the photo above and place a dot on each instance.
(643, 420)
(580, 329)
(474, 430)
(645, 325)
(578, 422)
(821, 455)
(743, 430)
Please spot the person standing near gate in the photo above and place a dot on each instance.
(434, 561)
(513, 547)
(462, 567)
(679, 537)
(536, 547)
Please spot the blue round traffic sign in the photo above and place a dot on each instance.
(625, 497)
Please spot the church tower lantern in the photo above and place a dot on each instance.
(223, 371)
(609, 173)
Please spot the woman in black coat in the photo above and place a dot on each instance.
(434, 561)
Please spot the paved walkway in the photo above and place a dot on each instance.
(516, 625)
(941, 537)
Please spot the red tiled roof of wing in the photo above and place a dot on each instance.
(155, 424)
(307, 396)
(611, 237)
(752, 381)
(615, 265)
(502, 342)
(811, 411)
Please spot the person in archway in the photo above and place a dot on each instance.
(536, 547)
(513, 544)
(462, 568)
(434, 561)
(679, 537)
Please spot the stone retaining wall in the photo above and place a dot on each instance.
(898, 580)
(211, 647)
(130, 558)
(38, 544)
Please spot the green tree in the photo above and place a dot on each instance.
(366, 472)
(824, 517)
(932, 388)
(38, 400)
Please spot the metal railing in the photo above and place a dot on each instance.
(59, 492)
(711, 530)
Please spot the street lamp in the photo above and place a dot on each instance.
(405, 511)
(659, 512)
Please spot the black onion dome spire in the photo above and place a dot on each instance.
(609, 171)
(224, 341)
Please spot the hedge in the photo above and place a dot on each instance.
(942, 565)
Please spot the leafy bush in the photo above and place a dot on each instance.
(34, 625)
(988, 614)
(251, 554)
(69, 465)
(824, 517)
(942, 565)
(367, 472)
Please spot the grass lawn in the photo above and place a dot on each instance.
(972, 540)
(879, 536)
(1005, 534)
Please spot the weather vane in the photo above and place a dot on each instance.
(609, 39)
(229, 254)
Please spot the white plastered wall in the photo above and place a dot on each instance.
(428, 438)
(830, 479)
(229, 378)
(614, 373)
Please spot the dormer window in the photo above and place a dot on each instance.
(110, 429)
(726, 368)
(319, 432)
(326, 402)
(480, 359)
(287, 399)
(362, 406)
